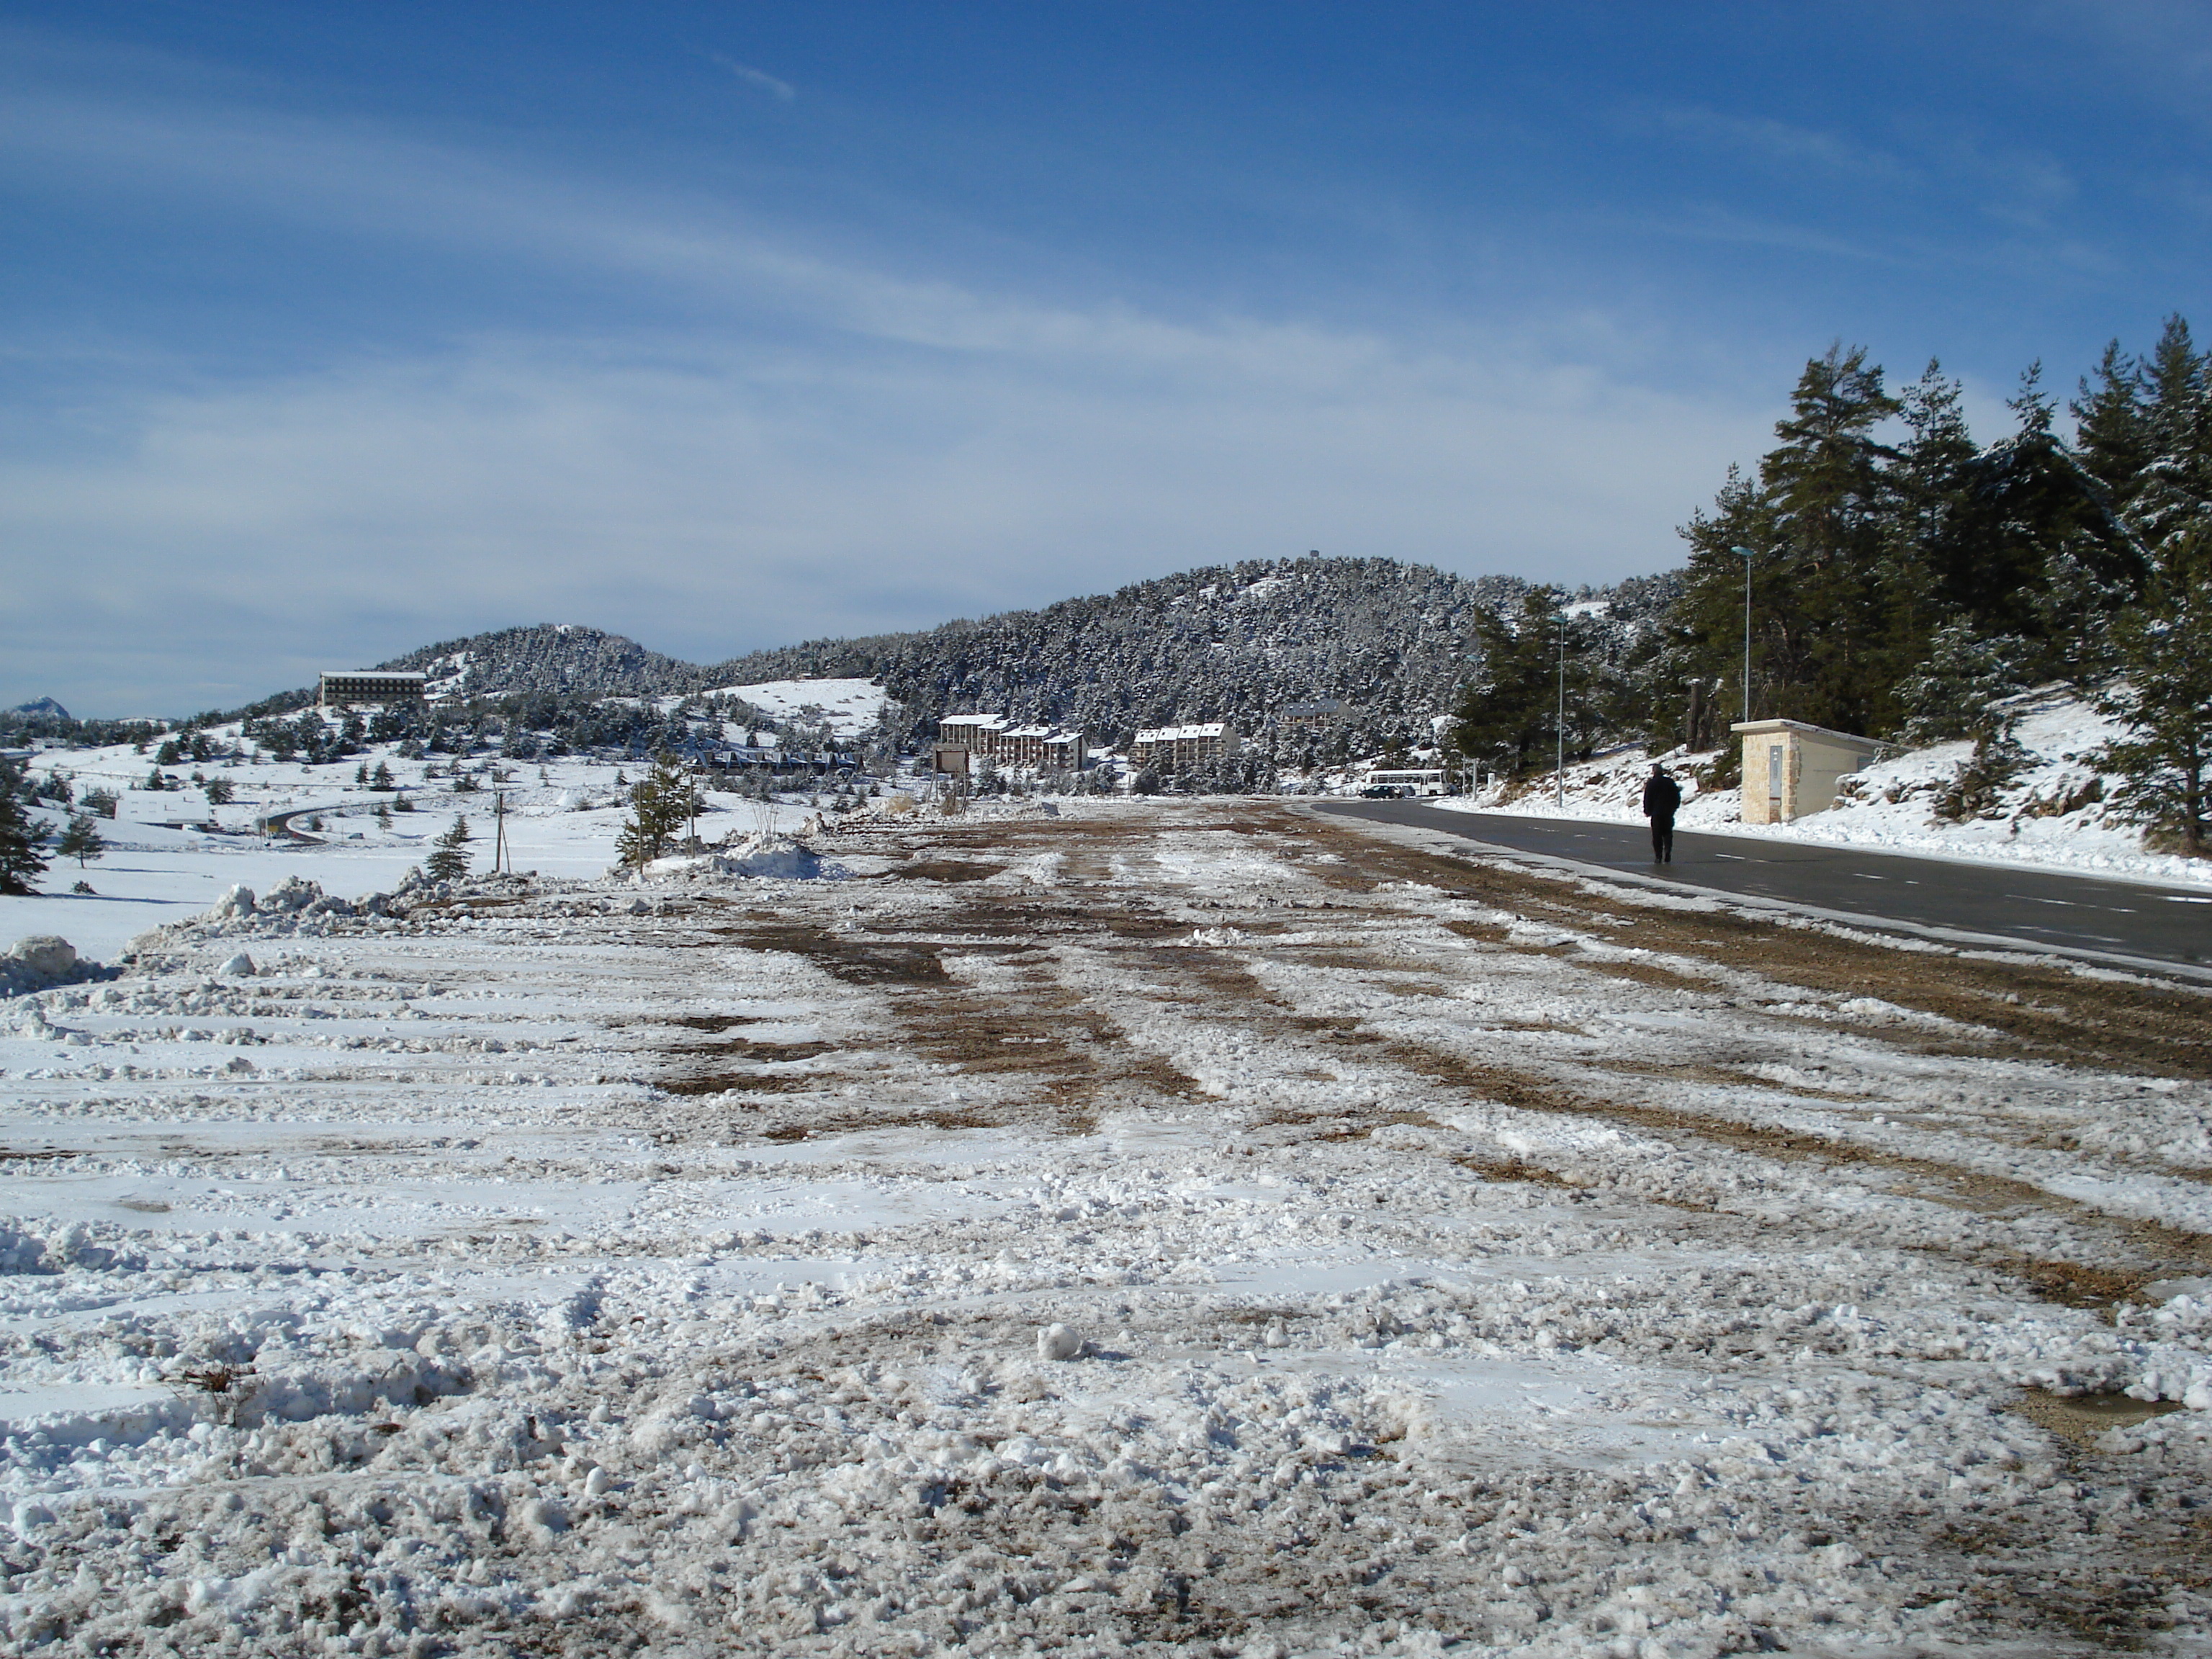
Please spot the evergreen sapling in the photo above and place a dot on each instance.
(81, 840)
(21, 837)
(448, 862)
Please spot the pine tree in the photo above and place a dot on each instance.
(81, 840)
(1820, 519)
(1832, 500)
(2175, 482)
(661, 802)
(381, 778)
(1954, 690)
(2164, 695)
(449, 862)
(2165, 698)
(1509, 718)
(2112, 434)
(2028, 523)
(21, 837)
(1929, 480)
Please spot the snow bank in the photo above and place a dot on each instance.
(40, 960)
(767, 858)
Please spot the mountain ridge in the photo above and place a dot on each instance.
(1391, 643)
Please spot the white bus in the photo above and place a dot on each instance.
(1409, 780)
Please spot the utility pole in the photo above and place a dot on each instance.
(498, 859)
(1747, 631)
(1560, 727)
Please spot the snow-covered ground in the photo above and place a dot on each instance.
(2056, 812)
(161, 864)
(850, 708)
(1109, 1226)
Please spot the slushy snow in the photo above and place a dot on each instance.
(1189, 1226)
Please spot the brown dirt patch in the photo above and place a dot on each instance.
(2156, 1250)
(2080, 1419)
(950, 871)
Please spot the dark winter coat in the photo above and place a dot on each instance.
(1662, 796)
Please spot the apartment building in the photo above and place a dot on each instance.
(962, 739)
(1183, 748)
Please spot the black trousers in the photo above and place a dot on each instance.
(1663, 841)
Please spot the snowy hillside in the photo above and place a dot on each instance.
(849, 708)
(557, 660)
(1386, 646)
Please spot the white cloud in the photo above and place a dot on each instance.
(829, 444)
(781, 91)
(706, 501)
(1786, 143)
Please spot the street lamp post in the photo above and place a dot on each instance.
(1746, 630)
(1560, 727)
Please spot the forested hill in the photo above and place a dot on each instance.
(1391, 642)
(551, 660)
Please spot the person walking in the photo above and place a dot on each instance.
(1663, 798)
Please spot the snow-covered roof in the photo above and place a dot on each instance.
(1183, 733)
(1847, 739)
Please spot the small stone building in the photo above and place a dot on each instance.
(1790, 768)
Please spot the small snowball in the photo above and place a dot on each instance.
(1058, 1342)
(598, 1483)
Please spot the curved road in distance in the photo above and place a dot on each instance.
(2030, 907)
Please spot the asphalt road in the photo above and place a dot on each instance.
(2035, 907)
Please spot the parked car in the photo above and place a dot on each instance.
(1384, 792)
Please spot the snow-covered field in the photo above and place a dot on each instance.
(1198, 1225)
(163, 864)
(2056, 814)
(848, 707)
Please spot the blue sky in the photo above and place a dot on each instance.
(327, 331)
